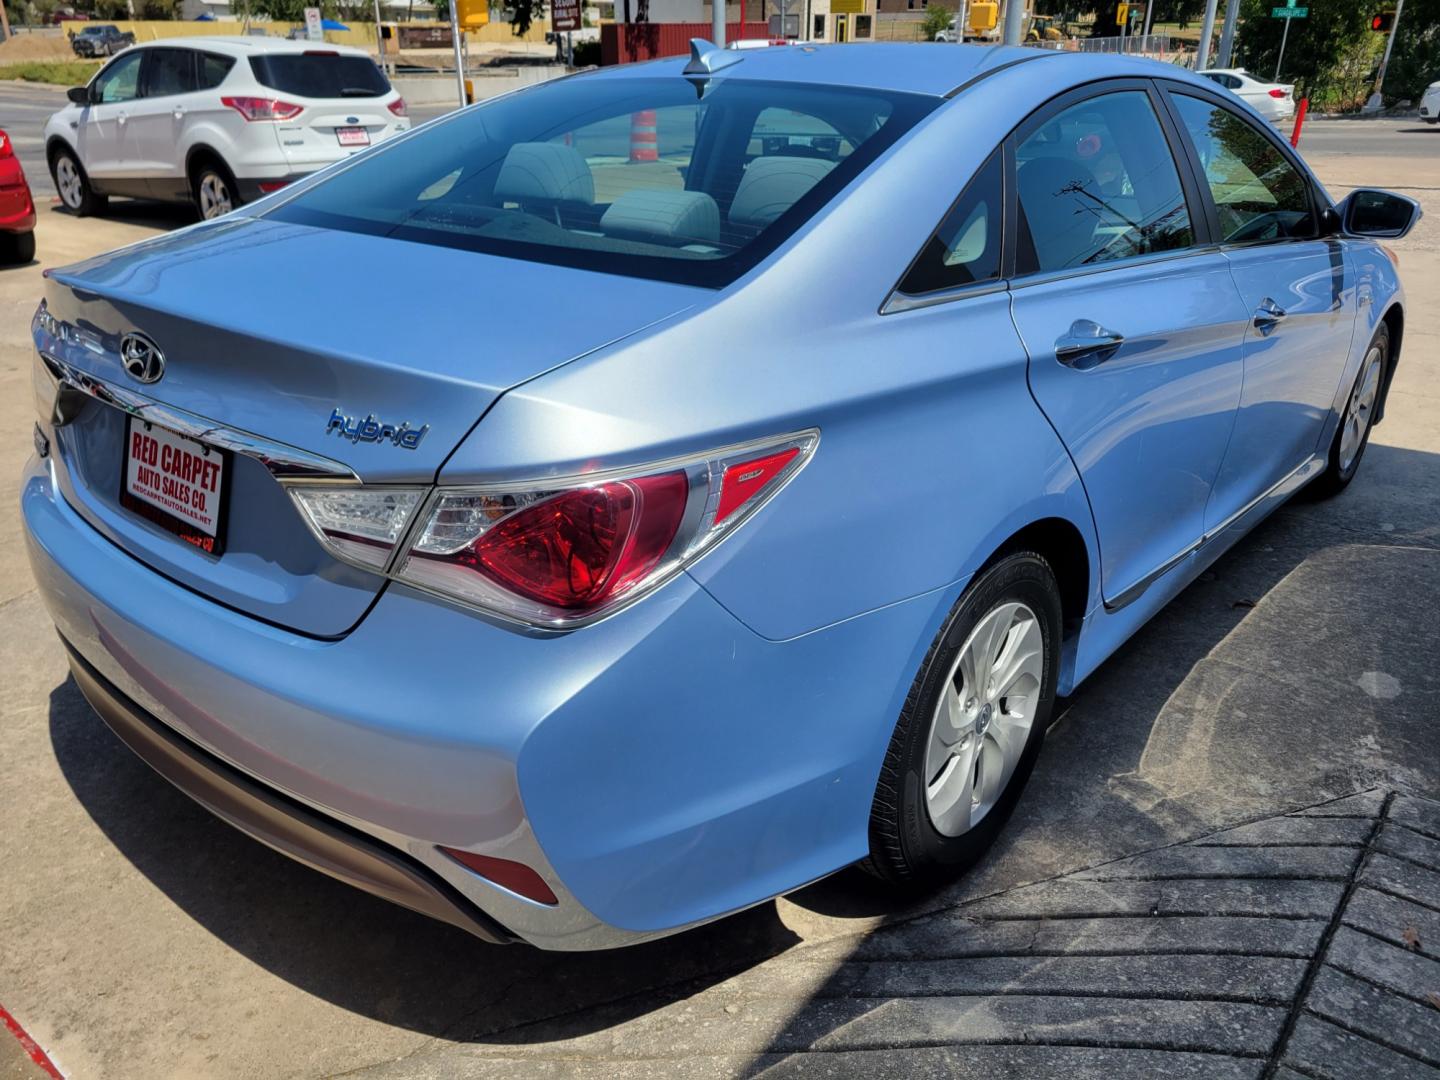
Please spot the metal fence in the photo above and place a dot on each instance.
(1155, 46)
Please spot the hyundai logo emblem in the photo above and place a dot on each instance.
(143, 360)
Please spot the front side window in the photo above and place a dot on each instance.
(120, 81)
(1097, 182)
(965, 249)
(635, 176)
(1258, 194)
(170, 71)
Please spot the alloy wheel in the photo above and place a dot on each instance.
(214, 196)
(67, 179)
(1361, 409)
(982, 722)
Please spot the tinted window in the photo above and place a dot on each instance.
(320, 75)
(1097, 182)
(634, 176)
(213, 69)
(966, 247)
(1259, 195)
(120, 81)
(169, 71)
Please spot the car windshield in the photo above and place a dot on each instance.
(319, 74)
(637, 176)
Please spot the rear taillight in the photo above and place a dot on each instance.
(398, 107)
(1278, 93)
(6, 150)
(257, 108)
(358, 525)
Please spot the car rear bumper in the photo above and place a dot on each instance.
(658, 769)
(280, 823)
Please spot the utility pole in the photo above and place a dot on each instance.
(1207, 33)
(380, 37)
(1284, 37)
(1376, 102)
(717, 22)
(1014, 21)
(455, 35)
(1227, 35)
(1149, 11)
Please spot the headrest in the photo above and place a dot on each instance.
(771, 185)
(644, 213)
(1061, 219)
(545, 172)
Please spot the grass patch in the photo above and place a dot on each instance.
(59, 72)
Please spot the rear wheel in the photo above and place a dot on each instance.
(17, 248)
(74, 186)
(214, 189)
(971, 728)
(1353, 435)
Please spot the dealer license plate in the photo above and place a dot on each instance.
(177, 483)
(353, 136)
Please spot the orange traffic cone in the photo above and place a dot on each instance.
(643, 141)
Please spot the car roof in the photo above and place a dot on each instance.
(250, 46)
(906, 67)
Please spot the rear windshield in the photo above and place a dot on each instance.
(636, 176)
(319, 75)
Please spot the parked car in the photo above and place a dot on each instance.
(217, 122)
(17, 208)
(101, 39)
(1430, 104)
(1274, 101)
(758, 525)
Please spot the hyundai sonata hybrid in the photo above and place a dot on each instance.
(628, 500)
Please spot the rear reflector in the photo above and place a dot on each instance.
(267, 186)
(517, 877)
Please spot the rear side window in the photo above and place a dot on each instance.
(319, 75)
(1258, 194)
(966, 248)
(213, 68)
(635, 175)
(168, 72)
(1097, 182)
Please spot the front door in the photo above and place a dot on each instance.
(1134, 335)
(103, 133)
(1294, 284)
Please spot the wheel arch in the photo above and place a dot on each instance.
(204, 152)
(1061, 543)
(54, 144)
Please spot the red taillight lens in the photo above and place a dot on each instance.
(398, 107)
(6, 150)
(256, 108)
(267, 186)
(517, 877)
(582, 548)
(747, 478)
(1277, 93)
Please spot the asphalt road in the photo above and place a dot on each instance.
(25, 107)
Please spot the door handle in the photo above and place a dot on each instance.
(1086, 344)
(1267, 315)
(178, 113)
(120, 118)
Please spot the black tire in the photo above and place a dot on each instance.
(208, 174)
(1337, 475)
(17, 248)
(84, 201)
(905, 847)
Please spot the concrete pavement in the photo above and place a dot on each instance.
(144, 938)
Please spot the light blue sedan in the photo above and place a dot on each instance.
(623, 502)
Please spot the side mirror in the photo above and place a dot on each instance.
(80, 95)
(1380, 214)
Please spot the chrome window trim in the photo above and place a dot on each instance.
(1045, 277)
(287, 464)
(902, 301)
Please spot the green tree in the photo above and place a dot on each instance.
(937, 18)
(1415, 60)
(1317, 45)
(524, 13)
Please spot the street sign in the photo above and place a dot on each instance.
(1290, 13)
(565, 15)
(313, 32)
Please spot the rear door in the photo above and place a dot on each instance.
(1132, 326)
(1297, 290)
(167, 88)
(103, 134)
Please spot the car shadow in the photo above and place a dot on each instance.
(1219, 709)
(141, 212)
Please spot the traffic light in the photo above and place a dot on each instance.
(472, 13)
(1381, 21)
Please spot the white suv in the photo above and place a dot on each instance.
(216, 121)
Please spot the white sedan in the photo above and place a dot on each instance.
(1274, 101)
(1430, 104)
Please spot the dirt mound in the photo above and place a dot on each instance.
(24, 47)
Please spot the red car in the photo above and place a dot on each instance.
(17, 208)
